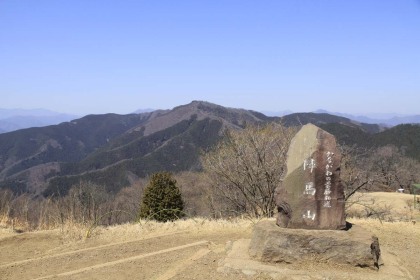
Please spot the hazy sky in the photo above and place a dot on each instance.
(118, 56)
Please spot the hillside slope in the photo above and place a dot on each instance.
(113, 150)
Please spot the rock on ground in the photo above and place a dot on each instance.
(271, 243)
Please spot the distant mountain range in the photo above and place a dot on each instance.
(385, 119)
(15, 119)
(114, 150)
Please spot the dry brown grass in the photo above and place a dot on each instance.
(396, 233)
(387, 206)
(397, 223)
(6, 232)
(145, 228)
(72, 231)
(399, 240)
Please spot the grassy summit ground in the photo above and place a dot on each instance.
(193, 249)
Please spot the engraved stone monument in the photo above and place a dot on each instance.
(311, 195)
(311, 214)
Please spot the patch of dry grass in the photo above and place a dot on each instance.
(145, 229)
(394, 234)
(400, 212)
(72, 231)
(6, 232)
(401, 239)
(399, 223)
(383, 205)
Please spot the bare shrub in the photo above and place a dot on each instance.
(369, 209)
(247, 166)
(196, 192)
(6, 200)
(394, 169)
(125, 204)
(355, 173)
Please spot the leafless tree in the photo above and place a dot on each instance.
(125, 204)
(394, 169)
(385, 163)
(408, 173)
(196, 193)
(356, 174)
(247, 166)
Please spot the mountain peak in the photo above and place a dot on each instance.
(197, 104)
(200, 110)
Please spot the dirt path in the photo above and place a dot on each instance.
(128, 260)
(180, 254)
(41, 256)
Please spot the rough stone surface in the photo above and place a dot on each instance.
(311, 195)
(271, 243)
(238, 261)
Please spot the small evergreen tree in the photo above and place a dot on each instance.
(162, 199)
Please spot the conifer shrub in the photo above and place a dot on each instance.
(162, 199)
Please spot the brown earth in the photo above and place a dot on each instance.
(192, 249)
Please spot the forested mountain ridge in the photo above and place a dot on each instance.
(113, 150)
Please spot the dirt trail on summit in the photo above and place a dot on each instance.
(198, 250)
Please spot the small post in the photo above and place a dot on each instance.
(416, 187)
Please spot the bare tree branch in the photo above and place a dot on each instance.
(248, 165)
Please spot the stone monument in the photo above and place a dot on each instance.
(311, 195)
(311, 215)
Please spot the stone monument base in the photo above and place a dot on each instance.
(273, 244)
(237, 261)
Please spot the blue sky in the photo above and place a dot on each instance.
(118, 56)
